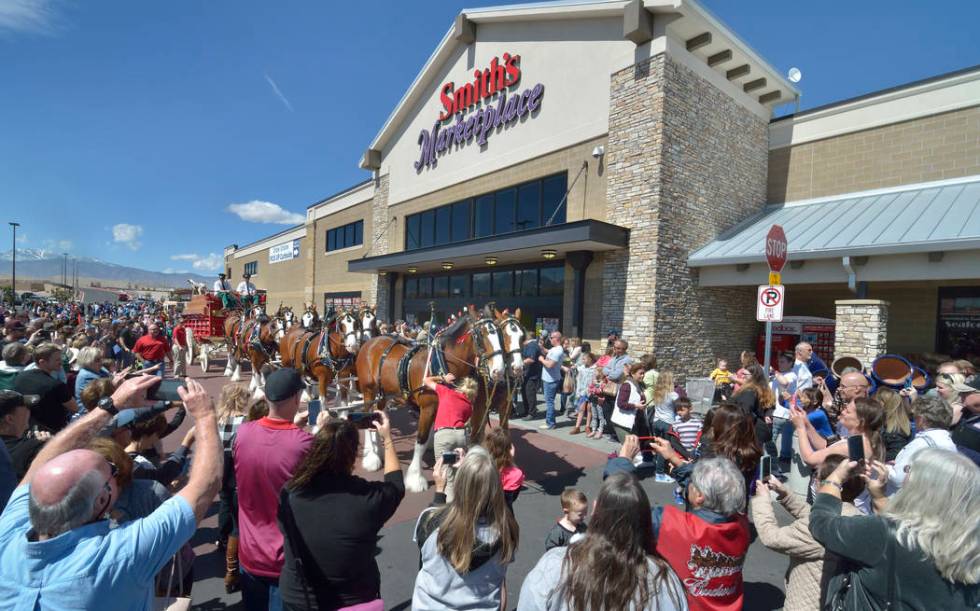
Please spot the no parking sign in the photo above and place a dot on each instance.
(769, 303)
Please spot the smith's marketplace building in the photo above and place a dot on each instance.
(615, 165)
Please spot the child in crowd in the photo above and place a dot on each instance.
(811, 400)
(746, 359)
(687, 426)
(595, 394)
(723, 381)
(584, 400)
(501, 448)
(571, 527)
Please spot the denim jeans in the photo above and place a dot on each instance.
(158, 372)
(260, 593)
(550, 392)
(782, 428)
(660, 429)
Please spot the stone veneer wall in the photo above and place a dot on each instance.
(378, 293)
(862, 329)
(686, 162)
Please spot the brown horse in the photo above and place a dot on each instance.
(254, 339)
(302, 350)
(471, 346)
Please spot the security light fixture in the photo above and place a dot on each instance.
(412, 270)
(447, 265)
(549, 253)
(598, 152)
(490, 260)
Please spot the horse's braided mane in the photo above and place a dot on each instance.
(453, 330)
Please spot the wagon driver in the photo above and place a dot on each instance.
(247, 291)
(222, 289)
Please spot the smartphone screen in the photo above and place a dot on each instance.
(765, 468)
(165, 390)
(449, 458)
(855, 447)
(313, 407)
(361, 420)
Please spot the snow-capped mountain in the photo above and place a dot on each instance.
(47, 264)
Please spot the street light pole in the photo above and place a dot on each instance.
(13, 267)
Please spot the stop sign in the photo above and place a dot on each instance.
(776, 248)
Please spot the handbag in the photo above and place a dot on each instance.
(568, 383)
(851, 595)
(610, 389)
(168, 602)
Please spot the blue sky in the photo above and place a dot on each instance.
(127, 129)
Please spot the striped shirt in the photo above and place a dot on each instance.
(227, 430)
(688, 431)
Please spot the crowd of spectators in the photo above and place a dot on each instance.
(98, 516)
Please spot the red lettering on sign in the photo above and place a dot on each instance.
(499, 76)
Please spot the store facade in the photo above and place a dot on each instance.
(578, 159)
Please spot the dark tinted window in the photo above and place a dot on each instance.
(331, 240)
(443, 225)
(440, 286)
(458, 285)
(552, 192)
(428, 228)
(349, 235)
(411, 288)
(359, 232)
(526, 282)
(529, 206)
(484, 216)
(412, 233)
(462, 220)
(425, 286)
(503, 218)
(503, 284)
(481, 285)
(552, 281)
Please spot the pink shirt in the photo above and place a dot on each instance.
(266, 454)
(511, 478)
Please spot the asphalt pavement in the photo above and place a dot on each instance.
(552, 460)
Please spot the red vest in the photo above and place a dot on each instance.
(707, 557)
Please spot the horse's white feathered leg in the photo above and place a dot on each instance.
(414, 480)
(371, 460)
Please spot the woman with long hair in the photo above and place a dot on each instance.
(328, 567)
(612, 567)
(755, 397)
(896, 432)
(467, 544)
(231, 411)
(922, 552)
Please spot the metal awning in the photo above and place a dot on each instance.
(927, 217)
(511, 248)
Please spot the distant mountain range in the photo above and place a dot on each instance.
(46, 264)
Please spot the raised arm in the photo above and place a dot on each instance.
(208, 465)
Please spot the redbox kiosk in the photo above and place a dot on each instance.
(818, 332)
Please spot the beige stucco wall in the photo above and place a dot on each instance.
(930, 148)
(283, 280)
(329, 270)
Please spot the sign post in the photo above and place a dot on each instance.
(771, 297)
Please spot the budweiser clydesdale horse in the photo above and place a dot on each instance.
(323, 355)
(253, 337)
(391, 369)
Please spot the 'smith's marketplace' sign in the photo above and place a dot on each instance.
(495, 80)
(284, 252)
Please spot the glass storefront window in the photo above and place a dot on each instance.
(526, 283)
(552, 192)
(440, 286)
(461, 220)
(411, 288)
(503, 284)
(413, 235)
(484, 216)
(425, 287)
(458, 285)
(503, 216)
(481, 285)
(443, 224)
(552, 281)
(428, 228)
(529, 206)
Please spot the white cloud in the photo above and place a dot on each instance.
(37, 16)
(127, 234)
(257, 211)
(275, 89)
(208, 263)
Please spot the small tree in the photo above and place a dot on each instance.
(61, 295)
(8, 294)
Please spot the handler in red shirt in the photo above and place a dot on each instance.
(180, 349)
(452, 415)
(153, 348)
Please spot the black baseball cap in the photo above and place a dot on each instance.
(283, 384)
